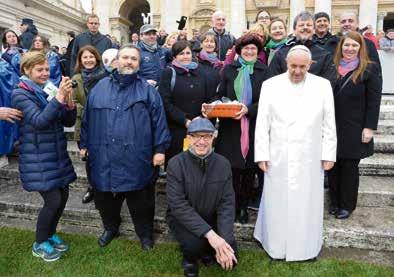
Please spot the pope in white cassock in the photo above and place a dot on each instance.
(295, 142)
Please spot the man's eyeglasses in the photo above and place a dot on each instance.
(205, 137)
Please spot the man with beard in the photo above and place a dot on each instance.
(322, 64)
(348, 22)
(125, 134)
(322, 35)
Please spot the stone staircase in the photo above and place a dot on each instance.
(370, 227)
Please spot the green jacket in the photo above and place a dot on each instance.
(79, 98)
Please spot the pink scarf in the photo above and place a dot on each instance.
(346, 65)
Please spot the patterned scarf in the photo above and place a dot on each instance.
(27, 84)
(212, 58)
(186, 67)
(345, 65)
(243, 91)
(151, 48)
(90, 76)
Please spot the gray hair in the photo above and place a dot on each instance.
(299, 49)
(128, 46)
(215, 14)
(303, 16)
(349, 13)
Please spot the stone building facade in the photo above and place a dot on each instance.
(53, 18)
(120, 17)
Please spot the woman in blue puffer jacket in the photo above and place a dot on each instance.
(44, 164)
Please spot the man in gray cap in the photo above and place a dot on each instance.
(201, 201)
(153, 58)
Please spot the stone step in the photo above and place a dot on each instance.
(384, 143)
(379, 164)
(385, 127)
(387, 100)
(374, 191)
(386, 112)
(367, 228)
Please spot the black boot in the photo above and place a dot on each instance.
(243, 216)
(107, 237)
(190, 269)
(89, 195)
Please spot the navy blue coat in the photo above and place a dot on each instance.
(44, 163)
(153, 63)
(123, 126)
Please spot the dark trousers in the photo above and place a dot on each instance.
(193, 247)
(54, 202)
(243, 182)
(141, 204)
(343, 180)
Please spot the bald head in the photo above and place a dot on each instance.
(348, 22)
(218, 21)
(299, 59)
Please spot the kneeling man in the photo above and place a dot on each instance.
(201, 203)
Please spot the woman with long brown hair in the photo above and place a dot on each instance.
(357, 97)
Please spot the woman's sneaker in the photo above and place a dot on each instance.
(45, 251)
(58, 243)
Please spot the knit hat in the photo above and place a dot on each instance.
(27, 21)
(109, 56)
(321, 14)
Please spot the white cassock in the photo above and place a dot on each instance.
(295, 131)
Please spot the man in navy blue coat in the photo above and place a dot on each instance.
(125, 133)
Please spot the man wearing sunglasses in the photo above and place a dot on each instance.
(201, 202)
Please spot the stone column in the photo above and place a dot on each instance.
(171, 11)
(381, 16)
(323, 6)
(102, 9)
(296, 6)
(368, 13)
(238, 18)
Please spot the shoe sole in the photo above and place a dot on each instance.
(62, 250)
(46, 260)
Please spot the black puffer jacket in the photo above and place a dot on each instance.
(328, 42)
(322, 64)
(226, 41)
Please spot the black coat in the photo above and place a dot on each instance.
(228, 142)
(212, 74)
(183, 102)
(357, 107)
(323, 64)
(328, 42)
(27, 37)
(201, 197)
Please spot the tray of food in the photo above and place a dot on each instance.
(222, 110)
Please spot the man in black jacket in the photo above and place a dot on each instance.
(29, 31)
(91, 37)
(201, 201)
(323, 36)
(322, 62)
(226, 40)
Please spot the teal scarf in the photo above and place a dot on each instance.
(274, 46)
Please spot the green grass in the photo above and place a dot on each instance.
(125, 258)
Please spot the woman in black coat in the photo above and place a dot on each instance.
(357, 101)
(183, 88)
(229, 143)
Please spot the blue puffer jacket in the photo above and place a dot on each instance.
(44, 163)
(8, 131)
(153, 63)
(123, 126)
(55, 71)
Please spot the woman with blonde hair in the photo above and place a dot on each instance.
(357, 97)
(170, 40)
(44, 163)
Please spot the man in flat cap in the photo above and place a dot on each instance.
(154, 58)
(201, 201)
(29, 31)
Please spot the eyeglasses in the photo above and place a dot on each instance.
(93, 23)
(197, 137)
(251, 49)
(263, 17)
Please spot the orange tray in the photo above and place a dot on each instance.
(223, 110)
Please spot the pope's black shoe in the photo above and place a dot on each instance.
(342, 214)
(190, 269)
(107, 237)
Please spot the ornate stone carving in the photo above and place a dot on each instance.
(203, 13)
(267, 3)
